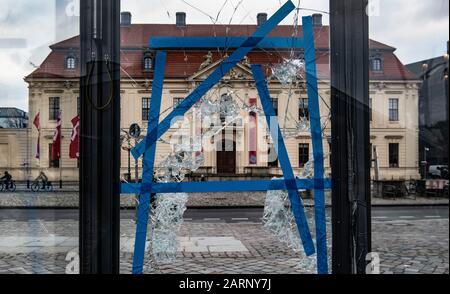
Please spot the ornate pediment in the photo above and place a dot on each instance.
(241, 71)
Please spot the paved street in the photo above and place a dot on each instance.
(230, 215)
(407, 239)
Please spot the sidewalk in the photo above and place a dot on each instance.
(223, 248)
(244, 199)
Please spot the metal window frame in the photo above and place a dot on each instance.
(350, 135)
(107, 259)
(99, 242)
(156, 130)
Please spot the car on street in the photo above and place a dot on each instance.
(438, 171)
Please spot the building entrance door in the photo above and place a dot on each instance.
(226, 157)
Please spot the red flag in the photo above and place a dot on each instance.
(75, 138)
(56, 147)
(37, 124)
(253, 138)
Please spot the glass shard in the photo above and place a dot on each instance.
(167, 218)
(288, 71)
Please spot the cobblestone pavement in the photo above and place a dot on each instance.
(404, 246)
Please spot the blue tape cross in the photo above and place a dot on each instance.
(223, 69)
(278, 43)
(317, 141)
(149, 163)
(224, 186)
(285, 163)
(155, 131)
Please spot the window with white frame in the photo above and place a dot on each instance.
(377, 64)
(393, 109)
(70, 62)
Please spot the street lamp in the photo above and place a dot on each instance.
(135, 133)
(425, 163)
(128, 149)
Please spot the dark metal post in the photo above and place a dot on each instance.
(350, 135)
(129, 160)
(446, 99)
(136, 166)
(100, 136)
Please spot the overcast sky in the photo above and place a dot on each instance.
(417, 28)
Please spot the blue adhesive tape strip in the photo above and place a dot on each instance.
(216, 76)
(149, 163)
(223, 186)
(222, 42)
(280, 147)
(156, 130)
(316, 134)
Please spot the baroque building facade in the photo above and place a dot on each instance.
(433, 109)
(54, 87)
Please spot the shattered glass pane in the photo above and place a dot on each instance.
(217, 112)
(279, 220)
(186, 156)
(288, 71)
(175, 166)
(228, 107)
(208, 107)
(308, 170)
(167, 218)
(303, 126)
(253, 108)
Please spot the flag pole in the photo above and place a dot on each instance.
(28, 161)
(60, 149)
(39, 140)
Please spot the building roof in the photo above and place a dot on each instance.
(12, 112)
(433, 64)
(182, 64)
